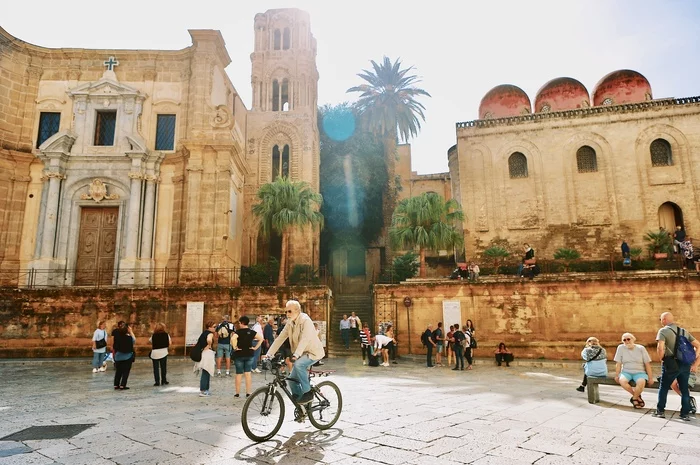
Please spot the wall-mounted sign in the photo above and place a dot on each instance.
(407, 302)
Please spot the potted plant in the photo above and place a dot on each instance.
(635, 253)
(658, 243)
(567, 256)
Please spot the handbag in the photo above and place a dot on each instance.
(196, 353)
(102, 342)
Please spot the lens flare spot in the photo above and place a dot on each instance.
(339, 124)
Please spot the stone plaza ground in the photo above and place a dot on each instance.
(403, 414)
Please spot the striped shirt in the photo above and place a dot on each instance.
(364, 337)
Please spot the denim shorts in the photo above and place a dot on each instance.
(243, 365)
(439, 348)
(634, 376)
(223, 350)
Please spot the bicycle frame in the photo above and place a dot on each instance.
(280, 381)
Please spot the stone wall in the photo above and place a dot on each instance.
(60, 322)
(544, 319)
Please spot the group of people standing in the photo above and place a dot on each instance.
(633, 371)
(458, 343)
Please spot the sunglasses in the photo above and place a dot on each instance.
(289, 312)
(626, 339)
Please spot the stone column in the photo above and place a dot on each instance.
(132, 220)
(148, 217)
(48, 237)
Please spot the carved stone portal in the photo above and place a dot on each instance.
(98, 192)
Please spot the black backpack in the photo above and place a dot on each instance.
(196, 353)
(424, 337)
(472, 341)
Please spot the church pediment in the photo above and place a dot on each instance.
(108, 86)
(60, 143)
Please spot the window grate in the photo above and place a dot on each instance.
(661, 153)
(49, 123)
(517, 165)
(586, 160)
(165, 132)
(105, 125)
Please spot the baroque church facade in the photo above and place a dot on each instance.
(134, 167)
(578, 170)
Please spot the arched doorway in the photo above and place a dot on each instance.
(670, 216)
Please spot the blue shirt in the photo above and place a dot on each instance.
(344, 324)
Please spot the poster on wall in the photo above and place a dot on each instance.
(194, 323)
(321, 331)
(451, 313)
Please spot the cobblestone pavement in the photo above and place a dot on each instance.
(405, 413)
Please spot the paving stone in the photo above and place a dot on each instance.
(598, 456)
(549, 447)
(516, 453)
(388, 455)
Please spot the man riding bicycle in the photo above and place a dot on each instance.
(306, 350)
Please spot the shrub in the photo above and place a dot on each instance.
(260, 274)
(303, 275)
(403, 267)
(567, 256)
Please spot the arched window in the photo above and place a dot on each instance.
(517, 165)
(284, 104)
(277, 39)
(280, 162)
(586, 160)
(286, 39)
(661, 154)
(275, 95)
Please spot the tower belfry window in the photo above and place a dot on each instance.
(275, 95)
(284, 103)
(286, 39)
(277, 39)
(280, 162)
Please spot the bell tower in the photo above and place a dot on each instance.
(283, 137)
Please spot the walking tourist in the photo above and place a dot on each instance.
(458, 343)
(633, 364)
(472, 338)
(247, 342)
(306, 350)
(160, 343)
(365, 342)
(678, 352)
(430, 344)
(439, 338)
(123, 343)
(345, 331)
(99, 348)
(467, 349)
(268, 334)
(206, 364)
(595, 359)
(503, 354)
(257, 327)
(223, 344)
(355, 325)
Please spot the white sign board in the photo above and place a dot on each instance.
(451, 313)
(321, 331)
(194, 325)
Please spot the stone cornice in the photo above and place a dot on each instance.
(580, 112)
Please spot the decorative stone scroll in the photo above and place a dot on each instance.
(98, 192)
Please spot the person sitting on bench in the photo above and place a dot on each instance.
(633, 364)
(595, 357)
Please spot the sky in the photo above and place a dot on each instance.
(460, 50)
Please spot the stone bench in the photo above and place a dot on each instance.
(594, 382)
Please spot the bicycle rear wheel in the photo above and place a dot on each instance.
(262, 414)
(325, 409)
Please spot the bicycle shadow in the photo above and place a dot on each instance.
(301, 445)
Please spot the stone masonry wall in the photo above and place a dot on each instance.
(60, 322)
(550, 320)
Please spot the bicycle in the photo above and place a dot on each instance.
(263, 411)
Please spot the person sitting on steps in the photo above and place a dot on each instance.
(503, 354)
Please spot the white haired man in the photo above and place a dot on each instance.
(306, 349)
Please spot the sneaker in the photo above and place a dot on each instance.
(102, 368)
(228, 373)
(364, 363)
(455, 369)
(257, 370)
(307, 397)
(693, 406)
(658, 414)
(218, 373)
(204, 394)
(685, 417)
(94, 370)
(385, 364)
(581, 389)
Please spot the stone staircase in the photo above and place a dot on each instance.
(345, 304)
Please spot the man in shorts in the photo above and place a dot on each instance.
(439, 338)
(224, 330)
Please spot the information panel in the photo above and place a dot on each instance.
(451, 313)
(194, 325)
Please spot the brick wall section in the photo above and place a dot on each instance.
(60, 322)
(548, 319)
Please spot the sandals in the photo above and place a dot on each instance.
(637, 403)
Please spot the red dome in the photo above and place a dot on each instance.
(562, 94)
(503, 101)
(623, 86)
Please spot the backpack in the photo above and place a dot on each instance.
(472, 341)
(460, 338)
(196, 353)
(424, 338)
(684, 351)
(223, 331)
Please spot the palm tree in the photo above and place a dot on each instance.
(388, 107)
(285, 205)
(427, 222)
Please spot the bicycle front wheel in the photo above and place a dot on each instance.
(263, 414)
(325, 409)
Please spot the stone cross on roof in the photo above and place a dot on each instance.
(111, 63)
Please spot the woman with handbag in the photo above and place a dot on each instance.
(99, 348)
(124, 340)
(160, 343)
(596, 362)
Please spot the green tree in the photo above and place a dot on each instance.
(388, 106)
(497, 253)
(567, 256)
(285, 205)
(427, 222)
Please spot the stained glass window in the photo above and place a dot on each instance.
(48, 126)
(661, 154)
(105, 124)
(586, 160)
(165, 132)
(517, 165)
